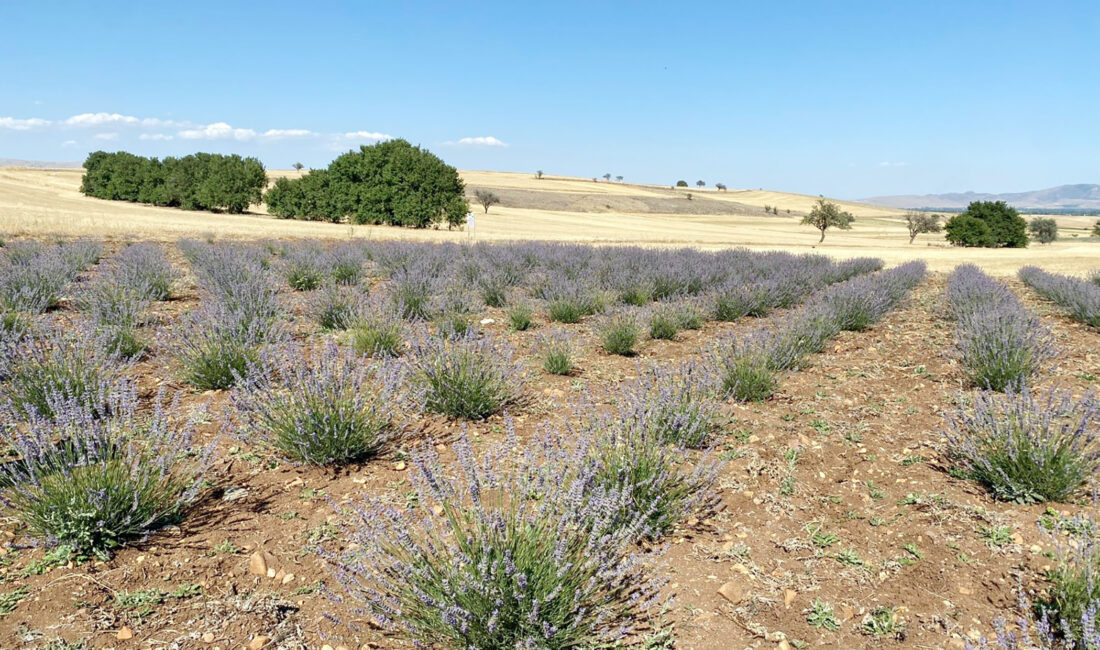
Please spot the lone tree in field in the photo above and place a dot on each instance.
(607, 176)
(538, 174)
(989, 224)
(827, 215)
(619, 178)
(721, 187)
(922, 222)
(700, 183)
(1043, 229)
(681, 183)
(298, 166)
(1096, 229)
(486, 199)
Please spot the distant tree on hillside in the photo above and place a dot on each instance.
(721, 187)
(619, 178)
(700, 183)
(607, 176)
(297, 166)
(486, 199)
(1043, 229)
(688, 195)
(538, 174)
(827, 215)
(922, 222)
(1096, 229)
(681, 183)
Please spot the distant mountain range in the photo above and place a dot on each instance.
(1063, 197)
(39, 164)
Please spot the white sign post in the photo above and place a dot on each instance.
(470, 225)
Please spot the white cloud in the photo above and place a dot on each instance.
(69, 143)
(482, 141)
(106, 136)
(155, 136)
(278, 134)
(892, 164)
(100, 119)
(16, 124)
(367, 135)
(217, 131)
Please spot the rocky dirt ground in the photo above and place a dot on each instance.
(835, 490)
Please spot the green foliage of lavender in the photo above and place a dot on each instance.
(480, 565)
(322, 408)
(1028, 447)
(465, 376)
(96, 483)
(1001, 344)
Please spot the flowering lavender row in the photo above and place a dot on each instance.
(1079, 298)
(748, 364)
(33, 276)
(1001, 344)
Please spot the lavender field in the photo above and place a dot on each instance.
(301, 444)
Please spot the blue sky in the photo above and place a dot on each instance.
(848, 99)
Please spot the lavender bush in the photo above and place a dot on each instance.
(145, 269)
(478, 565)
(1026, 447)
(672, 405)
(619, 334)
(556, 350)
(217, 346)
(115, 310)
(663, 323)
(334, 308)
(324, 408)
(466, 376)
(1079, 298)
(48, 365)
(234, 280)
(96, 483)
(519, 317)
(377, 329)
(345, 264)
(32, 278)
(1000, 343)
(648, 474)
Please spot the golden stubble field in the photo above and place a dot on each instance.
(44, 202)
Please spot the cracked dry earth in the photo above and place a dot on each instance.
(834, 490)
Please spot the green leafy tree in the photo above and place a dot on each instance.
(920, 223)
(721, 187)
(965, 230)
(538, 174)
(1043, 229)
(681, 183)
(200, 181)
(700, 183)
(1096, 229)
(607, 177)
(825, 215)
(298, 166)
(1007, 229)
(392, 183)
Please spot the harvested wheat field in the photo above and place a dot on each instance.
(39, 202)
(368, 443)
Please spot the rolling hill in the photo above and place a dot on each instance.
(1082, 196)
